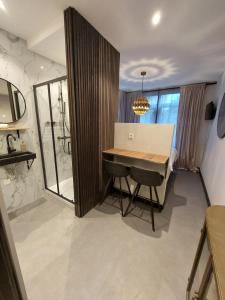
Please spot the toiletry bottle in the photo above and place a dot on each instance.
(23, 146)
(17, 144)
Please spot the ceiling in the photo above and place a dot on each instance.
(187, 46)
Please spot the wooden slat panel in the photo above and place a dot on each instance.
(150, 157)
(109, 83)
(92, 84)
(9, 286)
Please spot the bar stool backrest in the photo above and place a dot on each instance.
(146, 177)
(115, 169)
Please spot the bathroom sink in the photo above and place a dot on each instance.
(15, 157)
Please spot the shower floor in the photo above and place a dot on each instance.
(65, 188)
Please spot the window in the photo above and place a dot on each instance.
(163, 110)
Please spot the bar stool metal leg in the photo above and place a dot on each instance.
(128, 186)
(135, 193)
(157, 196)
(121, 198)
(106, 189)
(152, 209)
(151, 193)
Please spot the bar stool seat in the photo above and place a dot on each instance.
(116, 170)
(147, 178)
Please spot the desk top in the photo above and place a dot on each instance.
(215, 224)
(150, 157)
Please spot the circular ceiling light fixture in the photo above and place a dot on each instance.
(140, 105)
(156, 69)
(2, 6)
(156, 18)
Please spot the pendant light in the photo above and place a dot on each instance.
(140, 105)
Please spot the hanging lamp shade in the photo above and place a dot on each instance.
(140, 105)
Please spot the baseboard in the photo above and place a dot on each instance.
(21, 210)
(205, 189)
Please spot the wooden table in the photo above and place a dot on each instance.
(148, 157)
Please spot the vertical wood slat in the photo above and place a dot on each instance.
(9, 286)
(109, 82)
(93, 84)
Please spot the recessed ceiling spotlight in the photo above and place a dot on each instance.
(2, 6)
(156, 18)
(42, 67)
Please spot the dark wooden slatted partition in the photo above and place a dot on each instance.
(93, 84)
(9, 285)
(109, 82)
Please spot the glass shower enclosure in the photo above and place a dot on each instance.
(52, 111)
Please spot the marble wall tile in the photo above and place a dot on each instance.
(22, 67)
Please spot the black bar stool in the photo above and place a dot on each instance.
(147, 178)
(116, 170)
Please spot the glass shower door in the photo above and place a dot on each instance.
(60, 112)
(46, 140)
(54, 134)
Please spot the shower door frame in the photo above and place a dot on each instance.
(47, 83)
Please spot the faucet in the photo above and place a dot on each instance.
(10, 147)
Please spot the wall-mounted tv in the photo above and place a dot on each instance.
(210, 111)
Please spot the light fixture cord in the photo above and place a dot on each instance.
(142, 84)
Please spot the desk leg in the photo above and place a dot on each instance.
(166, 168)
(205, 279)
(196, 261)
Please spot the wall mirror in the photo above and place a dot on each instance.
(221, 119)
(12, 103)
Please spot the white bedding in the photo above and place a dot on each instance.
(173, 158)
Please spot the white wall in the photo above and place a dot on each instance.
(22, 68)
(213, 164)
(150, 138)
(205, 125)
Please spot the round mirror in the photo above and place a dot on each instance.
(12, 103)
(221, 119)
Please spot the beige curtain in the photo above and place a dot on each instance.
(130, 116)
(188, 125)
(125, 113)
(121, 107)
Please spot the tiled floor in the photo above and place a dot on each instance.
(103, 256)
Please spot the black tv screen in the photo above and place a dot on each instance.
(210, 111)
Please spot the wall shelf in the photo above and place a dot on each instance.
(14, 128)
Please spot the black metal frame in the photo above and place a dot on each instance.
(157, 93)
(47, 84)
(30, 163)
(111, 181)
(25, 105)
